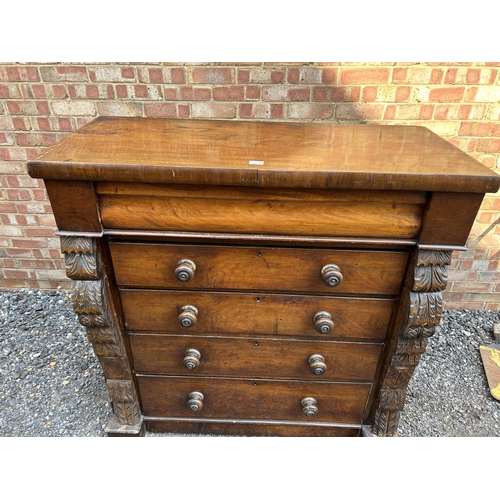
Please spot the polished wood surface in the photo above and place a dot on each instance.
(259, 314)
(257, 268)
(255, 210)
(259, 278)
(246, 357)
(252, 399)
(267, 154)
(247, 427)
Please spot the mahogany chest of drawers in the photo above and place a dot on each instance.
(259, 278)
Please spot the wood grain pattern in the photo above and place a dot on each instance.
(75, 205)
(323, 155)
(240, 427)
(261, 211)
(254, 357)
(259, 314)
(252, 399)
(449, 218)
(257, 268)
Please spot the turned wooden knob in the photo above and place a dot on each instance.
(309, 407)
(192, 359)
(195, 401)
(331, 275)
(185, 270)
(188, 316)
(317, 365)
(323, 322)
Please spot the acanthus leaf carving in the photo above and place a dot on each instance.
(124, 400)
(80, 257)
(425, 307)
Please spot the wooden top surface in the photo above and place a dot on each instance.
(266, 154)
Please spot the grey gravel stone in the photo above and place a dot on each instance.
(51, 383)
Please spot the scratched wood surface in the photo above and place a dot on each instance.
(259, 314)
(257, 268)
(287, 155)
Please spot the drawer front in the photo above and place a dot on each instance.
(305, 212)
(258, 268)
(256, 314)
(254, 357)
(252, 399)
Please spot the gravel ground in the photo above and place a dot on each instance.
(51, 384)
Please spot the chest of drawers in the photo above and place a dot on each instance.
(259, 278)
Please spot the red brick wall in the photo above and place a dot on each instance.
(40, 103)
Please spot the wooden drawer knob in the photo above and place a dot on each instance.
(192, 359)
(185, 270)
(331, 275)
(317, 365)
(188, 316)
(323, 322)
(195, 401)
(309, 407)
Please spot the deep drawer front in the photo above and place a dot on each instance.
(306, 212)
(252, 399)
(254, 357)
(256, 314)
(233, 268)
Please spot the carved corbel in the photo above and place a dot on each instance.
(90, 296)
(424, 310)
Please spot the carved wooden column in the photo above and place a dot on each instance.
(91, 298)
(425, 306)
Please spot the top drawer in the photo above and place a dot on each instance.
(227, 209)
(143, 265)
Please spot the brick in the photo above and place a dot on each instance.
(10, 91)
(305, 75)
(488, 94)
(39, 232)
(450, 75)
(364, 76)
(162, 75)
(64, 73)
(74, 108)
(444, 128)
(166, 110)
(492, 112)
(311, 111)
(11, 231)
(298, 94)
(232, 93)
(329, 75)
(488, 130)
(28, 108)
(370, 94)
(150, 92)
(408, 112)
(327, 94)
(472, 287)
(119, 109)
(481, 297)
(213, 110)
(215, 76)
(447, 94)
(255, 110)
(348, 111)
(22, 74)
(426, 111)
(402, 94)
(190, 93)
(274, 93)
(19, 252)
(18, 194)
(111, 74)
